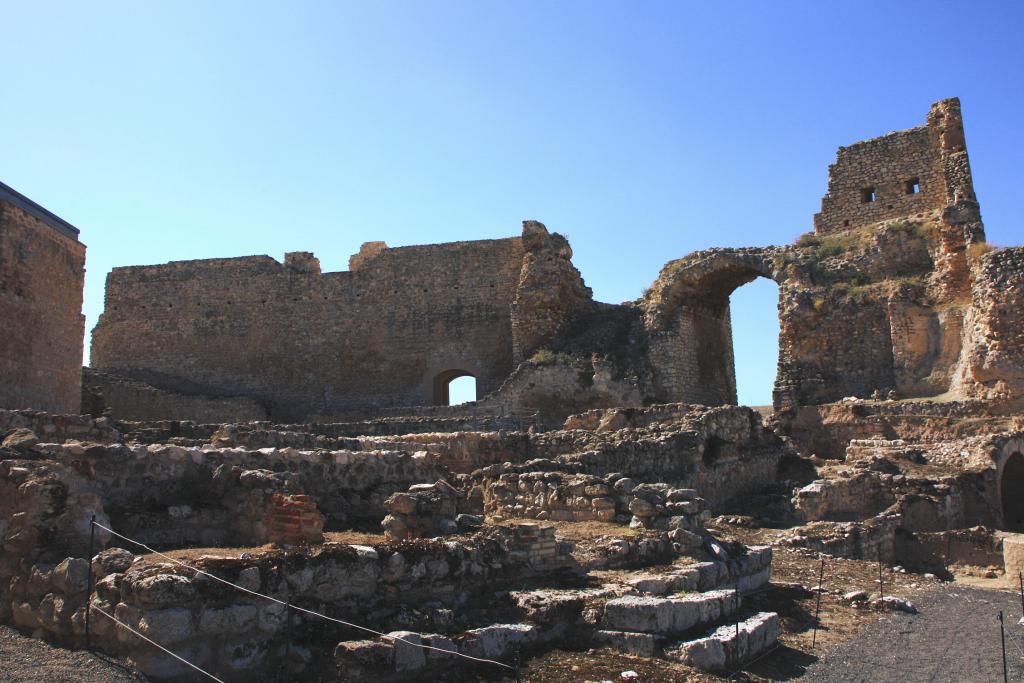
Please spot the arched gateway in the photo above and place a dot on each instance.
(687, 311)
(1011, 493)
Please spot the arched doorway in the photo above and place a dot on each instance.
(1011, 493)
(754, 314)
(453, 387)
(689, 312)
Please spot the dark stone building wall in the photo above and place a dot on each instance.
(42, 272)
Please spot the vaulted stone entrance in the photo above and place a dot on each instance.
(1011, 493)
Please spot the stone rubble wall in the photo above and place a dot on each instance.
(825, 430)
(886, 165)
(549, 294)
(237, 635)
(176, 326)
(172, 495)
(59, 428)
(125, 399)
(992, 362)
(558, 497)
(465, 307)
(852, 498)
(873, 539)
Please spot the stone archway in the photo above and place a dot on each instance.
(687, 314)
(442, 382)
(1011, 493)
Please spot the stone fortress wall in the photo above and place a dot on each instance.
(42, 272)
(391, 331)
(875, 300)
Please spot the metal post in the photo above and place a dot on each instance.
(817, 606)
(737, 611)
(1020, 577)
(881, 591)
(1002, 639)
(88, 592)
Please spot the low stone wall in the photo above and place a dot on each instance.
(934, 551)
(612, 419)
(237, 636)
(567, 497)
(869, 540)
(853, 498)
(126, 399)
(175, 496)
(825, 430)
(48, 427)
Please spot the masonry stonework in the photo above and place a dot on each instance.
(883, 296)
(392, 331)
(42, 272)
(899, 174)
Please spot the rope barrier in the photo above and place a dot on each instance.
(155, 644)
(1016, 642)
(303, 609)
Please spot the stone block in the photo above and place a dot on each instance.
(232, 619)
(364, 656)
(498, 641)
(167, 626)
(70, 576)
(667, 616)
(1013, 553)
(162, 590)
(408, 655)
(111, 561)
(638, 644)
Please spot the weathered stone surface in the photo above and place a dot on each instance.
(42, 267)
(497, 641)
(171, 625)
(20, 439)
(729, 646)
(639, 644)
(111, 561)
(357, 656)
(233, 619)
(161, 590)
(667, 616)
(70, 576)
(408, 655)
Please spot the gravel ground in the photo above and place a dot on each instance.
(955, 637)
(27, 659)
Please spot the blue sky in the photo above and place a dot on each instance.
(642, 131)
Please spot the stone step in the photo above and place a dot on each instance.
(729, 646)
(753, 571)
(401, 653)
(667, 616)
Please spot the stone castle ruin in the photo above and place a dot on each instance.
(877, 298)
(287, 432)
